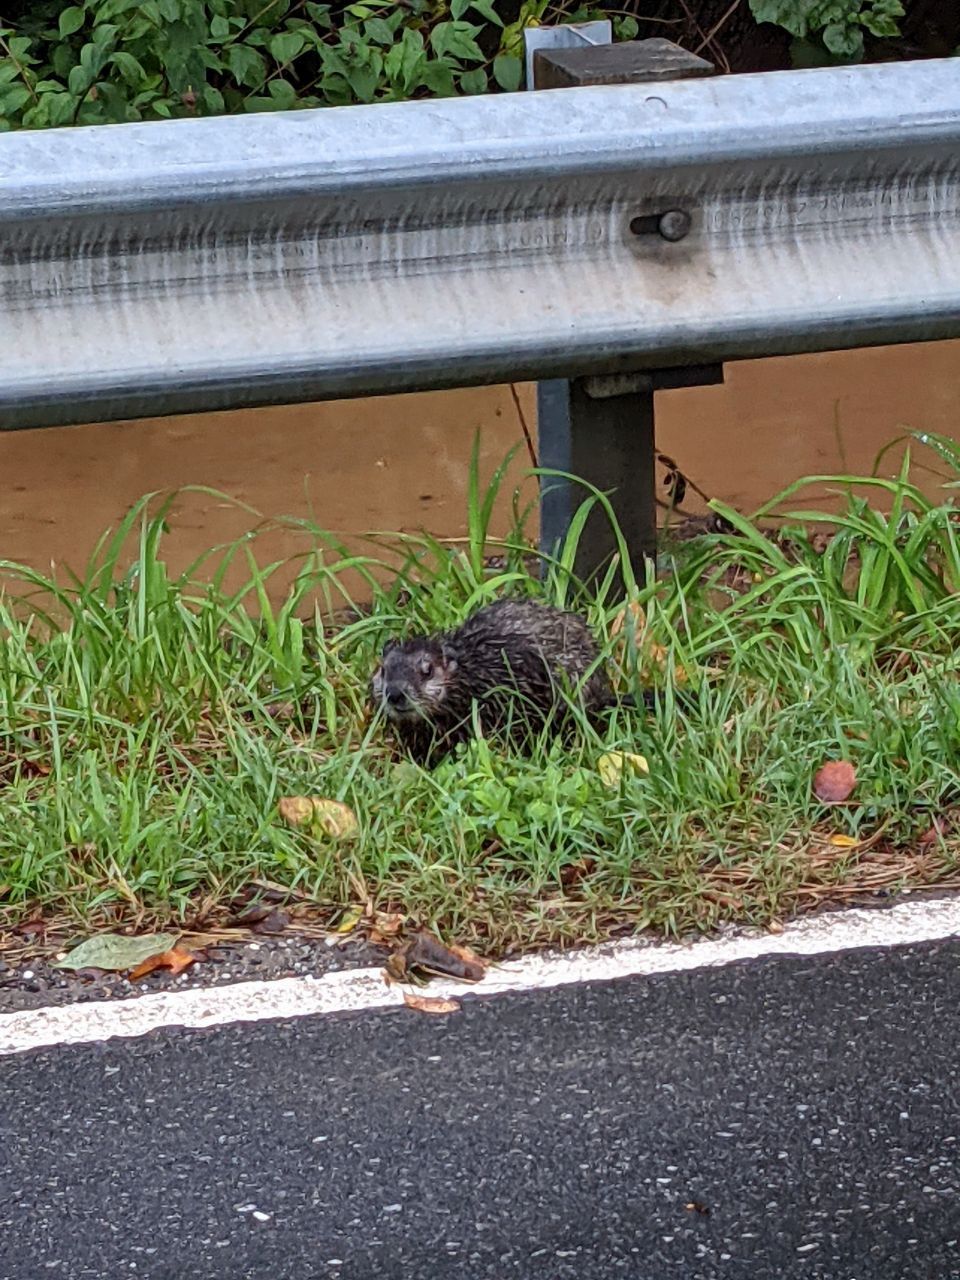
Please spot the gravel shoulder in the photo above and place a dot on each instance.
(34, 983)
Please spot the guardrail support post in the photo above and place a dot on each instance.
(602, 429)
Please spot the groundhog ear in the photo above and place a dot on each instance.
(389, 647)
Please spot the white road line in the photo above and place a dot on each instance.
(357, 990)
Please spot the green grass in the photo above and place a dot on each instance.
(150, 723)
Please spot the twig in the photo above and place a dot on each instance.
(523, 423)
(708, 38)
(705, 40)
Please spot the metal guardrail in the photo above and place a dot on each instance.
(201, 264)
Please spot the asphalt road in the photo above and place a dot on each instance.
(809, 1107)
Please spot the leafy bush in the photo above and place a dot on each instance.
(826, 31)
(120, 60)
(104, 61)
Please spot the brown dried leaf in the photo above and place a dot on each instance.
(280, 710)
(396, 967)
(275, 922)
(389, 923)
(834, 781)
(35, 928)
(386, 926)
(428, 953)
(253, 914)
(574, 872)
(430, 1004)
(941, 826)
(634, 610)
(176, 960)
(34, 768)
(468, 957)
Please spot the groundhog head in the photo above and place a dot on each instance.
(413, 679)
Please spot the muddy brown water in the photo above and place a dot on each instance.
(400, 463)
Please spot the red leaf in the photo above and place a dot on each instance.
(834, 781)
(176, 960)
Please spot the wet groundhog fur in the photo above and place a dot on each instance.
(515, 659)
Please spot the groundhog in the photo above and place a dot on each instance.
(514, 660)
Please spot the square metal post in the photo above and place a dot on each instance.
(602, 429)
(608, 442)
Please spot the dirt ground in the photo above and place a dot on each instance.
(401, 462)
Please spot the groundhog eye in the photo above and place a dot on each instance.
(426, 668)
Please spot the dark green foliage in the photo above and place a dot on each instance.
(830, 31)
(108, 61)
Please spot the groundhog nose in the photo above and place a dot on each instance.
(396, 698)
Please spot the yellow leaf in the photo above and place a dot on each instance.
(350, 920)
(335, 819)
(614, 764)
(843, 842)
(296, 810)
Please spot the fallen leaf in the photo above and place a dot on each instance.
(619, 635)
(574, 872)
(614, 764)
(35, 928)
(349, 920)
(274, 922)
(335, 819)
(656, 655)
(176, 960)
(280, 710)
(253, 914)
(467, 956)
(844, 842)
(34, 769)
(430, 1004)
(632, 610)
(775, 926)
(115, 951)
(941, 826)
(395, 969)
(296, 810)
(834, 781)
(428, 953)
(387, 924)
